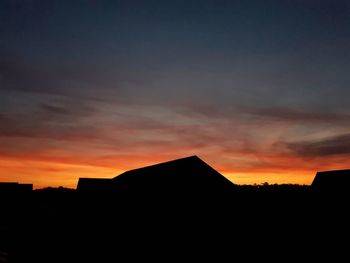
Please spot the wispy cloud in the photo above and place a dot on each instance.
(67, 110)
(66, 79)
(17, 74)
(55, 110)
(59, 120)
(335, 145)
(301, 116)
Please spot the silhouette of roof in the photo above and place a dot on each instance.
(15, 188)
(185, 174)
(332, 180)
(94, 184)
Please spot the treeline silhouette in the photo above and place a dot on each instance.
(188, 220)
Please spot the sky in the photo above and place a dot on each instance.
(257, 89)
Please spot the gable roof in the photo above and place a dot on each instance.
(189, 176)
(184, 174)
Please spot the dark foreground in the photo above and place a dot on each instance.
(272, 222)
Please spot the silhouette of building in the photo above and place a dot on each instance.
(15, 188)
(185, 176)
(335, 181)
(94, 185)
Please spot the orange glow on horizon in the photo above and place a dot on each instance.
(50, 174)
(54, 173)
(296, 177)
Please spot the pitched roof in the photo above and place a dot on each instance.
(189, 176)
(189, 173)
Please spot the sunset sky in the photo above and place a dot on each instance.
(257, 89)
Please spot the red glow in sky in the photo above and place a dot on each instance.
(258, 89)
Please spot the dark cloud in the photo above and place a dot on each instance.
(292, 115)
(16, 126)
(50, 125)
(335, 145)
(201, 109)
(69, 110)
(21, 75)
(52, 109)
(66, 79)
(6, 126)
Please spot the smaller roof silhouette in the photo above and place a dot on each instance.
(332, 180)
(95, 185)
(15, 188)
